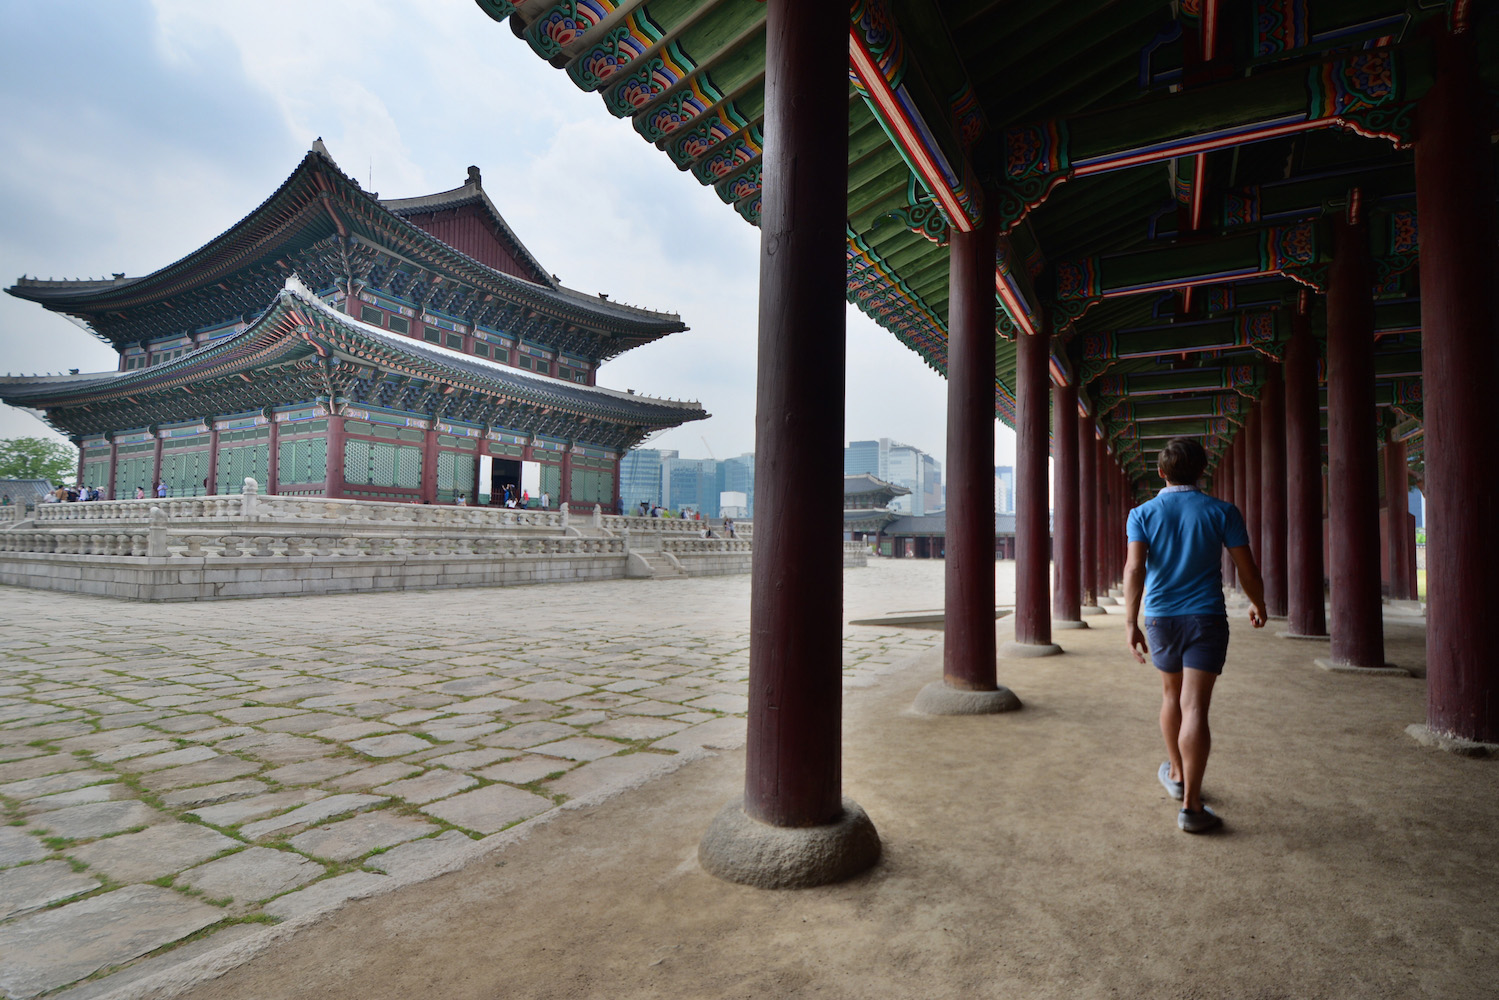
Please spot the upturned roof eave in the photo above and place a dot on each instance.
(204, 265)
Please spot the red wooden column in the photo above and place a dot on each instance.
(429, 464)
(793, 769)
(1353, 477)
(1032, 531)
(1272, 554)
(1305, 613)
(211, 486)
(114, 463)
(1066, 599)
(1223, 488)
(1103, 484)
(565, 487)
(1252, 477)
(1396, 488)
(273, 456)
(156, 459)
(969, 685)
(333, 486)
(1459, 338)
(1087, 490)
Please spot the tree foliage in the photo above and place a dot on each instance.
(38, 458)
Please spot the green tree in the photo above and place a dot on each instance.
(38, 458)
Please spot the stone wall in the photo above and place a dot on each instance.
(217, 547)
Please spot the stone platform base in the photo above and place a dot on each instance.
(1388, 670)
(1027, 650)
(1425, 736)
(739, 849)
(939, 699)
(1062, 623)
(1092, 609)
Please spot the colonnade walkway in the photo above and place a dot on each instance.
(1029, 854)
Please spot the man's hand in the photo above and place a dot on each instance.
(1136, 640)
(1257, 615)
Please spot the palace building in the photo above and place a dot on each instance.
(335, 344)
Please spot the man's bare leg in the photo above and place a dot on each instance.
(1171, 719)
(1194, 738)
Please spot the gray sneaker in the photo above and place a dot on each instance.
(1198, 822)
(1173, 788)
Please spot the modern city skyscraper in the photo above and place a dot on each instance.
(1004, 489)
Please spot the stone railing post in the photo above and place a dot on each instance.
(598, 515)
(566, 514)
(249, 499)
(156, 534)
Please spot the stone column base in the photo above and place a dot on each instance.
(1427, 737)
(937, 698)
(740, 849)
(1092, 609)
(1026, 650)
(1105, 601)
(1298, 635)
(1388, 670)
(1062, 623)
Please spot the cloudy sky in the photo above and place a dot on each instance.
(135, 131)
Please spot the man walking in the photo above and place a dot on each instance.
(1174, 545)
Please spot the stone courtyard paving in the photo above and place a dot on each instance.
(175, 775)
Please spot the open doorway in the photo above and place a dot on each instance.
(504, 473)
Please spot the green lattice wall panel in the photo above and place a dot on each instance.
(134, 465)
(374, 463)
(304, 461)
(455, 474)
(186, 472)
(592, 486)
(96, 473)
(237, 462)
(551, 482)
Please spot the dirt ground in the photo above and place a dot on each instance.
(1026, 855)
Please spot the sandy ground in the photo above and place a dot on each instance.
(1026, 855)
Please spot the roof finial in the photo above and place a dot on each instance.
(318, 147)
(473, 177)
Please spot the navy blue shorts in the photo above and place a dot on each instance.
(1198, 642)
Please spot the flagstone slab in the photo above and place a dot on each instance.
(459, 734)
(356, 837)
(187, 723)
(276, 748)
(716, 734)
(33, 788)
(390, 746)
(154, 852)
(638, 728)
(489, 809)
(313, 812)
(80, 796)
(549, 691)
(251, 875)
(309, 772)
(446, 850)
(487, 704)
(16, 846)
(174, 758)
(221, 769)
(255, 715)
(94, 742)
(467, 760)
(305, 722)
(650, 707)
(218, 733)
(232, 813)
(580, 748)
(97, 819)
(329, 894)
(55, 947)
(354, 730)
(433, 785)
(612, 775)
(369, 777)
(476, 685)
(411, 717)
(300, 692)
(207, 795)
(36, 767)
(523, 770)
(32, 887)
(729, 703)
(528, 734)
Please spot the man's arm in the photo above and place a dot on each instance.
(1249, 579)
(1134, 590)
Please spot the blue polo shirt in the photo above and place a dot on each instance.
(1184, 531)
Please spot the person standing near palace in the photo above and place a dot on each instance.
(140, 493)
(161, 489)
(1174, 545)
(546, 500)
